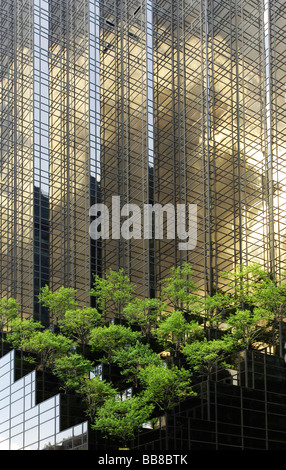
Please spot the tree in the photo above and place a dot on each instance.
(165, 387)
(217, 307)
(9, 310)
(108, 339)
(244, 283)
(271, 297)
(79, 322)
(144, 313)
(203, 356)
(21, 330)
(133, 358)
(254, 301)
(247, 326)
(58, 302)
(72, 370)
(179, 290)
(48, 346)
(121, 420)
(112, 292)
(175, 330)
(95, 392)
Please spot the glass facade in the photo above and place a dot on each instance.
(236, 409)
(155, 102)
(26, 425)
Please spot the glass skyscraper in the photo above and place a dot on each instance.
(152, 101)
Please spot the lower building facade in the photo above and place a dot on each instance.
(234, 409)
(28, 420)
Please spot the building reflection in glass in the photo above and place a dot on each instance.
(26, 425)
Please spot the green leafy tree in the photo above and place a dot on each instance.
(48, 346)
(203, 356)
(248, 326)
(175, 330)
(165, 387)
(244, 283)
(58, 302)
(21, 330)
(72, 370)
(108, 339)
(144, 313)
(78, 323)
(121, 420)
(217, 307)
(270, 296)
(9, 310)
(133, 358)
(253, 305)
(95, 392)
(180, 292)
(112, 293)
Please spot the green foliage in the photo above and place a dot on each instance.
(165, 387)
(252, 304)
(72, 370)
(108, 339)
(48, 346)
(179, 289)
(217, 307)
(247, 326)
(244, 284)
(21, 330)
(78, 323)
(95, 392)
(174, 331)
(58, 302)
(144, 313)
(112, 292)
(133, 358)
(203, 356)
(120, 420)
(9, 310)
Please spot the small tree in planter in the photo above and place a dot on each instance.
(58, 302)
(203, 356)
(143, 313)
(248, 326)
(21, 330)
(48, 346)
(72, 370)
(112, 293)
(95, 392)
(78, 323)
(179, 291)
(217, 307)
(108, 339)
(121, 420)
(174, 331)
(165, 387)
(133, 358)
(244, 284)
(9, 310)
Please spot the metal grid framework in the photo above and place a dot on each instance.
(30, 424)
(159, 101)
(243, 409)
